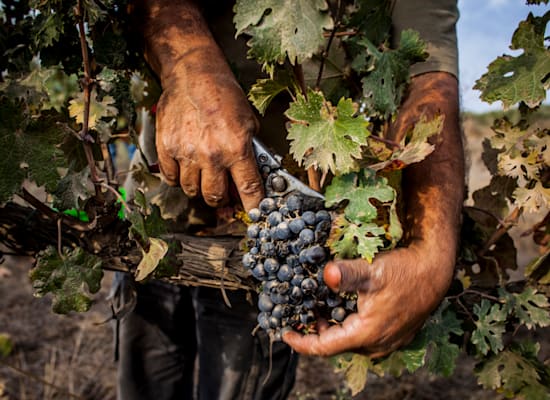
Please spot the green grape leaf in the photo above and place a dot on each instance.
(327, 137)
(515, 372)
(490, 326)
(409, 358)
(359, 190)
(28, 149)
(384, 86)
(530, 307)
(265, 90)
(355, 370)
(523, 78)
(48, 28)
(539, 268)
(73, 188)
(349, 240)
(70, 278)
(438, 330)
(6, 345)
(292, 28)
(98, 108)
(151, 258)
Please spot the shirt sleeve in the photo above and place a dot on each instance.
(435, 21)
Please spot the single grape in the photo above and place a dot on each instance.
(271, 265)
(253, 231)
(309, 286)
(279, 298)
(259, 272)
(248, 260)
(268, 249)
(274, 218)
(296, 294)
(267, 205)
(264, 302)
(307, 317)
(254, 250)
(297, 280)
(274, 322)
(309, 218)
(315, 254)
(281, 311)
(254, 214)
(263, 320)
(351, 305)
(282, 232)
(296, 225)
(322, 215)
(333, 301)
(296, 246)
(308, 302)
(285, 212)
(338, 314)
(264, 235)
(294, 202)
(285, 273)
(307, 236)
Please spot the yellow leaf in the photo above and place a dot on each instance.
(151, 259)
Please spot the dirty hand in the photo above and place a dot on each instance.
(398, 291)
(204, 135)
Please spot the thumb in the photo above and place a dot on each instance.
(347, 275)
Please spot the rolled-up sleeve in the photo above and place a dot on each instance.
(435, 21)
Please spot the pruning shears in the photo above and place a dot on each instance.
(278, 181)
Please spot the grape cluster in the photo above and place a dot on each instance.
(287, 254)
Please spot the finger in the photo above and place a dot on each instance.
(190, 177)
(169, 168)
(347, 275)
(214, 186)
(248, 181)
(334, 340)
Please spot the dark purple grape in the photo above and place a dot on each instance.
(265, 235)
(253, 231)
(282, 231)
(254, 251)
(285, 273)
(274, 322)
(315, 254)
(292, 261)
(294, 202)
(296, 246)
(309, 218)
(259, 272)
(264, 302)
(263, 320)
(309, 286)
(267, 249)
(279, 298)
(248, 260)
(281, 311)
(338, 314)
(267, 205)
(274, 218)
(308, 302)
(271, 265)
(322, 215)
(307, 317)
(351, 305)
(285, 212)
(296, 294)
(254, 214)
(297, 225)
(307, 236)
(333, 301)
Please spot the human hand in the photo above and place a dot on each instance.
(204, 132)
(398, 291)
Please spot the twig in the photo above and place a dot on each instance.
(504, 227)
(87, 85)
(118, 196)
(385, 141)
(324, 56)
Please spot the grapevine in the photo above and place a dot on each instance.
(74, 83)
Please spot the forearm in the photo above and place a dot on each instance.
(175, 34)
(434, 188)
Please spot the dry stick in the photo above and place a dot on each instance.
(504, 227)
